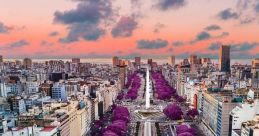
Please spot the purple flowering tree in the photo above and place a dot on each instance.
(163, 90)
(192, 113)
(184, 130)
(173, 112)
(119, 122)
(134, 86)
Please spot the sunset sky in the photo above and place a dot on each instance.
(104, 28)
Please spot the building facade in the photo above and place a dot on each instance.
(224, 58)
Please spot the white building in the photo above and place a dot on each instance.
(3, 90)
(240, 114)
(59, 91)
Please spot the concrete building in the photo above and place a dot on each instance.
(192, 90)
(3, 126)
(27, 63)
(59, 91)
(206, 61)
(242, 113)
(3, 91)
(122, 75)
(46, 88)
(150, 62)
(17, 104)
(76, 60)
(193, 59)
(255, 73)
(115, 61)
(82, 116)
(251, 127)
(215, 109)
(1, 59)
(183, 71)
(224, 58)
(171, 60)
(137, 61)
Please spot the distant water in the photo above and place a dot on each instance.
(109, 60)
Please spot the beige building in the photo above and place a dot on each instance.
(73, 118)
(1, 59)
(122, 75)
(171, 60)
(193, 59)
(215, 108)
(255, 72)
(115, 61)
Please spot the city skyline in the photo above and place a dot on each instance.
(90, 28)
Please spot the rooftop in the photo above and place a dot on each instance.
(48, 128)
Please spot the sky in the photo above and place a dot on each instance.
(128, 28)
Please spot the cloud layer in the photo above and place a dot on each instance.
(15, 45)
(227, 14)
(151, 44)
(86, 20)
(124, 27)
(212, 27)
(169, 4)
(4, 29)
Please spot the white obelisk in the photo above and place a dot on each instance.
(147, 128)
(147, 89)
(147, 125)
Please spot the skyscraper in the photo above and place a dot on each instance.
(255, 72)
(193, 59)
(255, 66)
(122, 75)
(150, 62)
(115, 61)
(27, 63)
(137, 61)
(1, 59)
(224, 58)
(171, 60)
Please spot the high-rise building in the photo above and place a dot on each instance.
(27, 63)
(215, 109)
(1, 59)
(255, 66)
(59, 91)
(255, 72)
(75, 60)
(193, 59)
(150, 62)
(115, 61)
(122, 75)
(171, 60)
(224, 58)
(137, 61)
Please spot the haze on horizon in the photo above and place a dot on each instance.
(104, 28)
